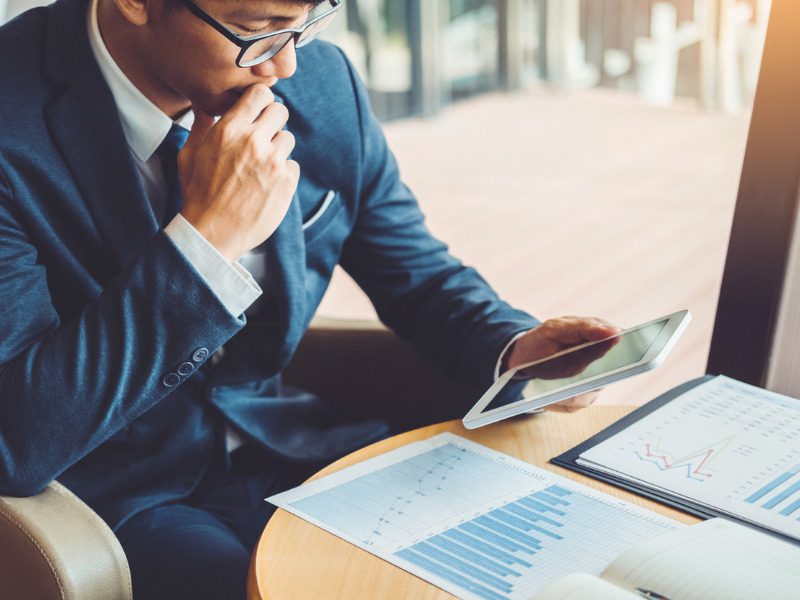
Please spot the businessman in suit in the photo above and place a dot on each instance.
(153, 286)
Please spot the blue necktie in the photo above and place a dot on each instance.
(168, 153)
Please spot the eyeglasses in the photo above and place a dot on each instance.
(255, 49)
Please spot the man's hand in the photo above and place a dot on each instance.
(555, 335)
(236, 178)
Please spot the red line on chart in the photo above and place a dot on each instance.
(694, 463)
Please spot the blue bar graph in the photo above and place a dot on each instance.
(558, 491)
(523, 524)
(532, 516)
(772, 485)
(553, 501)
(496, 540)
(461, 563)
(441, 571)
(474, 557)
(782, 493)
(785, 494)
(498, 536)
(501, 541)
(791, 508)
(486, 548)
(516, 535)
(531, 503)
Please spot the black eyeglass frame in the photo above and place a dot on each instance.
(244, 42)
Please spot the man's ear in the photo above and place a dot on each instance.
(136, 12)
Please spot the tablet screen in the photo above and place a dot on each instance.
(573, 367)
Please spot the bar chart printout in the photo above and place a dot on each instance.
(475, 522)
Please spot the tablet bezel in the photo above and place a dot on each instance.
(661, 346)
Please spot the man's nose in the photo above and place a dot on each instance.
(282, 65)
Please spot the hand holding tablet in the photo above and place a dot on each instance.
(578, 369)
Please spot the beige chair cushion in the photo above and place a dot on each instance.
(53, 546)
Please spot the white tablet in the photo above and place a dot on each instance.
(578, 369)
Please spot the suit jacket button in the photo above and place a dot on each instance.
(185, 369)
(200, 355)
(171, 380)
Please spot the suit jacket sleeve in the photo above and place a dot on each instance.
(422, 292)
(65, 387)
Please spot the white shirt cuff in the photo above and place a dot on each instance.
(504, 352)
(231, 282)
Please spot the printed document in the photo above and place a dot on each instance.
(725, 444)
(475, 522)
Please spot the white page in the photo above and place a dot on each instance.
(473, 521)
(709, 561)
(581, 586)
(729, 445)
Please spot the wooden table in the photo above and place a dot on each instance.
(295, 559)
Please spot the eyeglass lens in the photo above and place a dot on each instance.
(265, 49)
(268, 47)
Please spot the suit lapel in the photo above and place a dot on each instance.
(85, 125)
(286, 263)
(94, 147)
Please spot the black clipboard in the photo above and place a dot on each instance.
(569, 459)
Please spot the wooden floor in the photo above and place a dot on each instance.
(591, 203)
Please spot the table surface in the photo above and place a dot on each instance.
(295, 559)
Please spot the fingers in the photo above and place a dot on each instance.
(575, 330)
(283, 144)
(555, 335)
(584, 328)
(293, 168)
(576, 403)
(249, 107)
(257, 125)
(271, 120)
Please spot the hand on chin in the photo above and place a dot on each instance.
(225, 101)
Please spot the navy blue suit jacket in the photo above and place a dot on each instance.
(105, 328)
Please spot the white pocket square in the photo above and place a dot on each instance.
(326, 203)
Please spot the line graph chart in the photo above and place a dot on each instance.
(695, 465)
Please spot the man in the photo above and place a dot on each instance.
(122, 271)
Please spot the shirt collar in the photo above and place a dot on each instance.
(144, 124)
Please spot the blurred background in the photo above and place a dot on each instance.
(583, 154)
(419, 55)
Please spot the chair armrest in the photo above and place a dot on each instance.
(52, 545)
(366, 369)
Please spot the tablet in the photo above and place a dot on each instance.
(578, 369)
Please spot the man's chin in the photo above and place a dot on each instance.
(222, 103)
(219, 104)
